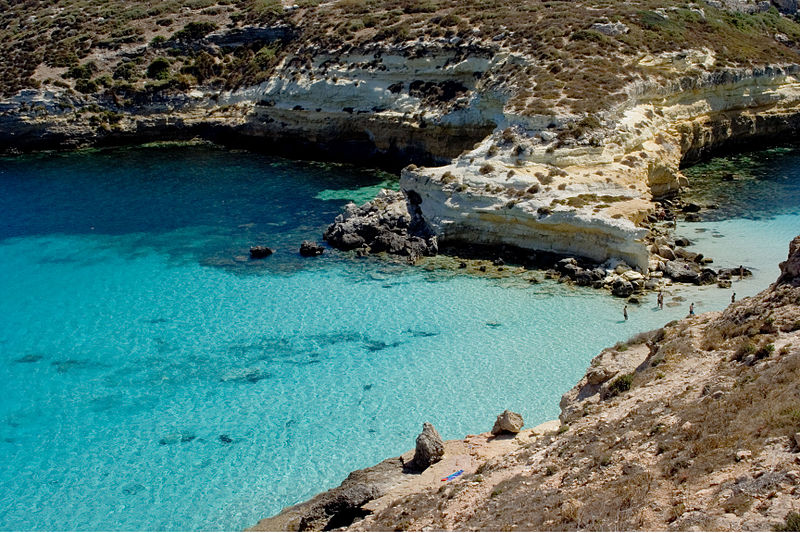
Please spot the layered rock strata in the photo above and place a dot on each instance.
(592, 194)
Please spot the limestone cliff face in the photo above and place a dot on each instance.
(422, 101)
(587, 190)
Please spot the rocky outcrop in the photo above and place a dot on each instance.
(508, 422)
(790, 269)
(389, 223)
(340, 506)
(391, 103)
(429, 450)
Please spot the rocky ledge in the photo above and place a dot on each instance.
(693, 426)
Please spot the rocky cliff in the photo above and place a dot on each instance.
(694, 426)
(591, 195)
(553, 127)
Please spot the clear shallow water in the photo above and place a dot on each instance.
(152, 380)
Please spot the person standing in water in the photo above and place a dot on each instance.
(625, 312)
(733, 297)
(660, 300)
(691, 308)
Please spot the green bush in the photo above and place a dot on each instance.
(86, 86)
(744, 350)
(126, 71)
(792, 523)
(621, 384)
(81, 72)
(265, 57)
(194, 31)
(158, 69)
(765, 351)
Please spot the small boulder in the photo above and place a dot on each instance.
(507, 422)
(430, 448)
(621, 267)
(666, 252)
(682, 241)
(584, 278)
(311, 249)
(632, 275)
(743, 455)
(260, 252)
(686, 255)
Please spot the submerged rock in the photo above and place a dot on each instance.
(430, 448)
(244, 375)
(29, 358)
(175, 438)
(260, 252)
(507, 422)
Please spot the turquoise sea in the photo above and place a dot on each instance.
(154, 378)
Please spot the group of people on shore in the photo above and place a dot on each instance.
(660, 303)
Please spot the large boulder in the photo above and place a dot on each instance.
(682, 271)
(708, 276)
(430, 448)
(622, 288)
(790, 269)
(311, 249)
(786, 6)
(507, 422)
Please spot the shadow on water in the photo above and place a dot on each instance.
(194, 203)
(752, 185)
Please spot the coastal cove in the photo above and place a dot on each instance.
(159, 379)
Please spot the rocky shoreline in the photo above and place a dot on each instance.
(393, 223)
(689, 427)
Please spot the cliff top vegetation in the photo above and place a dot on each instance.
(572, 54)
